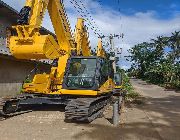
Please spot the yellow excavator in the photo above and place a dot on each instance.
(80, 81)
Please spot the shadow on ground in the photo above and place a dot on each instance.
(163, 122)
(137, 130)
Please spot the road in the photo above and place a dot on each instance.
(162, 107)
(156, 119)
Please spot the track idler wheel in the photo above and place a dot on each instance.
(10, 107)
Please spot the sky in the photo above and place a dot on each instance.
(138, 20)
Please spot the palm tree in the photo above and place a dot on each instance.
(159, 45)
(174, 43)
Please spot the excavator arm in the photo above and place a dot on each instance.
(28, 43)
(100, 50)
(81, 39)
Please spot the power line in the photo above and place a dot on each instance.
(84, 13)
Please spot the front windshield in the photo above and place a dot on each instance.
(81, 73)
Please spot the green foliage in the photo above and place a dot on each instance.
(158, 61)
(126, 81)
(127, 86)
(132, 95)
(27, 80)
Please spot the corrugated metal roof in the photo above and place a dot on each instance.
(6, 56)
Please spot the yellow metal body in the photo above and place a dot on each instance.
(118, 87)
(30, 44)
(36, 47)
(100, 51)
(40, 84)
(81, 39)
(107, 87)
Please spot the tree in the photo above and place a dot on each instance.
(157, 61)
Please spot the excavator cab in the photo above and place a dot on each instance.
(81, 73)
(86, 73)
(118, 90)
(118, 79)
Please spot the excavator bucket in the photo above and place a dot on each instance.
(36, 47)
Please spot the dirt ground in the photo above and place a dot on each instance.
(157, 118)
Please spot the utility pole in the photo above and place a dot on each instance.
(113, 50)
(113, 57)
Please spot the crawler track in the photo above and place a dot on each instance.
(81, 109)
(9, 105)
(86, 109)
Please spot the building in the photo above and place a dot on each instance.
(13, 71)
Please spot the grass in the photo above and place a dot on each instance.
(132, 96)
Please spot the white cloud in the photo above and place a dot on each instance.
(137, 28)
